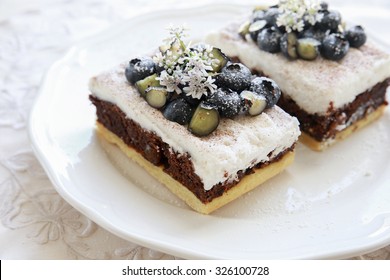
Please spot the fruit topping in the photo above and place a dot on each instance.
(220, 59)
(302, 29)
(288, 45)
(257, 14)
(178, 111)
(139, 68)
(314, 33)
(143, 85)
(307, 48)
(324, 6)
(271, 15)
(356, 36)
(269, 40)
(253, 102)
(226, 101)
(255, 28)
(235, 76)
(334, 46)
(197, 85)
(204, 120)
(244, 28)
(156, 96)
(330, 21)
(266, 87)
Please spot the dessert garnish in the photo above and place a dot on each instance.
(302, 29)
(197, 85)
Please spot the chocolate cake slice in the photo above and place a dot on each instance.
(333, 79)
(207, 150)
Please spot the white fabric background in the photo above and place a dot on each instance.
(36, 223)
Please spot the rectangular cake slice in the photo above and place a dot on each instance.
(330, 97)
(203, 126)
(206, 172)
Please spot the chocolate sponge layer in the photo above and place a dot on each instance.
(324, 127)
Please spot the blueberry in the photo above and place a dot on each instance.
(271, 16)
(356, 36)
(257, 15)
(139, 68)
(267, 88)
(191, 100)
(179, 111)
(269, 40)
(314, 33)
(234, 76)
(324, 6)
(307, 48)
(255, 28)
(334, 46)
(243, 30)
(330, 21)
(204, 120)
(226, 101)
(288, 45)
(253, 103)
(220, 57)
(144, 84)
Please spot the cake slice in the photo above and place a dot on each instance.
(206, 142)
(333, 79)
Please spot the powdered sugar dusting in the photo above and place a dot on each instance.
(313, 85)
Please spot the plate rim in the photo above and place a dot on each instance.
(59, 185)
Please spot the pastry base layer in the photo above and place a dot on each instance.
(322, 145)
(246, 184)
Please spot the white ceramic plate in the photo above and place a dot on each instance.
(334, 204)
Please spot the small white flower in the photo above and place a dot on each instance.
(198, 84)
(186, 66)
(159, 59)
(294, 13)
(171, 81)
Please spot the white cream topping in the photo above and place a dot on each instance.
(314, 85)
(235, 145)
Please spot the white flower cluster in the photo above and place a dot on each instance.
(182, 65)
(294, 14)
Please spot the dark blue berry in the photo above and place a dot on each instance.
(226, 101)
(139, 68)
(234, 76)
(178, 111)
(255, 28)
(190, 100)
(267, 88)
(330, 21)
(334, 46)
(271, 16)
(314, 33)
(356, 36)
(324, 6)
(257, 15)
(269, 40)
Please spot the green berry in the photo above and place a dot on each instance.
(288, 45)
(254, 103)
(307, 48)
(156, 97)
(204, 120)
(143, 85)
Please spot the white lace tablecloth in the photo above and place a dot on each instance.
(36, 223)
